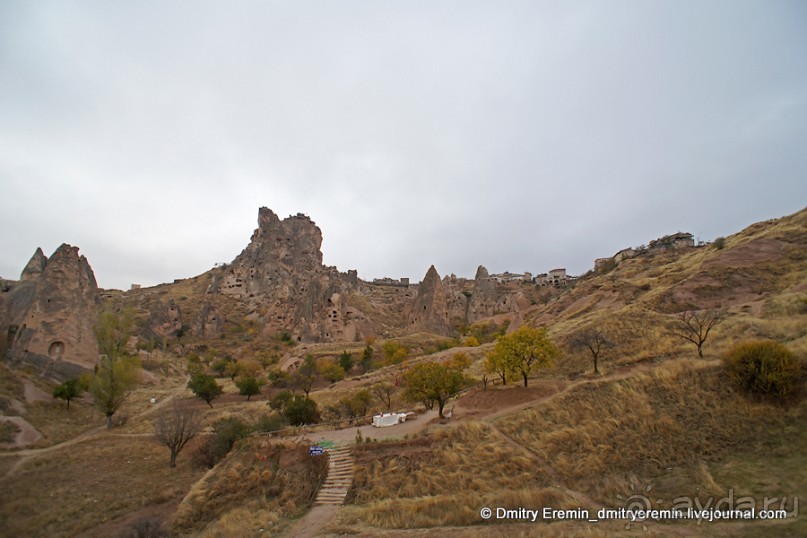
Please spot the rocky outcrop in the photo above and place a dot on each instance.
(209, 322)
(482, 303)
(35, 266)
(486, 301)
(167, 320)
(51, 314)
(430, 309)
(281, 274)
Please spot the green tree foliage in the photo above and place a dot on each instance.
(498, 362)
(331, 370)
(69, 390)
(523, 351)
(249, 386)
(113, 332)
(232, 369)
(763, 368)
(393, 352)
(304, 377)
(281, 400)
(223, 366)
(367, 357)
(433, 382)
(270, 422)
(301, 410)
(356, 404)
(346, 361)
(277, 377)
(226, 432)
(205, 387)
(116, 374)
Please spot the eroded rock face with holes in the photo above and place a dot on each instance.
(50, 314)
(281, 275)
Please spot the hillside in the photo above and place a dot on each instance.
(657, 425)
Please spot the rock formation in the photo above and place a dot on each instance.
(209, 322)
(482, 303)
(430, 310)
(281, 275)
(51, 313)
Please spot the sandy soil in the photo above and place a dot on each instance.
(34, 393)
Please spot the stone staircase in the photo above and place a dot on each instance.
(340, 477)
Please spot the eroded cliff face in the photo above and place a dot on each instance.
(430, 309)
(281, 275)
(486, 300)
(50, 314)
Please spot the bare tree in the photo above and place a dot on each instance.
(176, 426)
(593, 339)
(694, 325)
(384, 391)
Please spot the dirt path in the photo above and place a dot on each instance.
(320, 516)
(27, 454)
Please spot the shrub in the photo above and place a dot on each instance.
(301, 410)
(720, 243)
(270, 423)
(225, 434)
(763, 368)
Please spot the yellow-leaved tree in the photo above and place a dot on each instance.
(522, 352)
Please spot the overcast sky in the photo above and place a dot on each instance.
(523, 136)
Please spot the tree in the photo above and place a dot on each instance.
(301, 410)
(346, 361)
(393, 352)
(232, 369)
(205, 387)
(356, 405)
(497, 363)
(384, 391)
(367, 358)
(180, 332)
(174, 427)
(113, 381)
(116, 373)
(523, 351)
(433, 382)
(281, 400)
(331, 370)
(70, 389)
(306, 374)
(594, 340)
(113, 332)
(249, 386)
(694, 325)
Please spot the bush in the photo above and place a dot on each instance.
(226, 433)
(270, 423)
(763, 368)
(300, 410)
(720, 243)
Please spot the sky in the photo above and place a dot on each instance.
(522, 136)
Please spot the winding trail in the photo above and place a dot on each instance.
(322, 514)
(27, 454)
